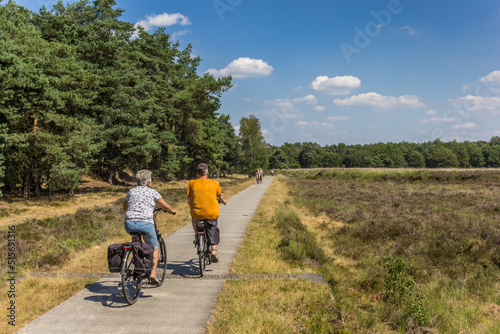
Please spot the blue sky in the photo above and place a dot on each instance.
(332, 71)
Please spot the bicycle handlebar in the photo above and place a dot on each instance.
(155, 211)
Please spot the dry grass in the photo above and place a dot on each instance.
(277, 306)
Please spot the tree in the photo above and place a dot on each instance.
(230, 145)
(47, 140)
(415, 159)
(331, 159)
(253, 147)
(309, 157)
(492, 156)
(277, 158)
(439, 156)
(495, 141)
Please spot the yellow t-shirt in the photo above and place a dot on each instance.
(203, 202)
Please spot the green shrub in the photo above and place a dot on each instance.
(399, 289)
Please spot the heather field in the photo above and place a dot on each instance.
(408, 251)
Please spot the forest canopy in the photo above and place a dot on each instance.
(81, 90)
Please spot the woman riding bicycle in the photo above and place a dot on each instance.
(139, 205)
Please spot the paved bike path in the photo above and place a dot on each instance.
(182, 305)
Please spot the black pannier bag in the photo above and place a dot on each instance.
(115, 253)
(213, 233)
(143, 257)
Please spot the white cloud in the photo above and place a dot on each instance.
(163, 20)
(463, 126)
(280, 103)
(431, 112)
(319, 108)
(244, 67)
(492, 82)
(380, 101)
(175, 36)
(478, 103)
(247, 99)
(339, 118)
(323, 125)
(492, 77)
(335, 86)
(289, 105)
(438, 120)
(309, 99)
(487, 85)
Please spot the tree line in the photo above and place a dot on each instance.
(431, 154)
(81, 90)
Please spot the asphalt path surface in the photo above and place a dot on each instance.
(183, 304)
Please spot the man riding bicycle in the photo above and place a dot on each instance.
(139, 206)
(204, 196)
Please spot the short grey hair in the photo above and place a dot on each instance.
(202, 169)
(143, 177)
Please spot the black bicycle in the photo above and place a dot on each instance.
(203, 248)
(132, 281)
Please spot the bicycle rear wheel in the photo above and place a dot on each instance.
(131, 282)
(202, 254)
(161, 268)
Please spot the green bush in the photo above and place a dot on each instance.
(400, 290)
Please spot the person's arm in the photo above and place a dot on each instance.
(221, 199)
(164, 205)
(125, 206)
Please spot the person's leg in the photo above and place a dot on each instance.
(156, 256)
(193, 223)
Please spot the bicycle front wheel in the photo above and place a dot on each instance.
(131, 282)
(161, 268)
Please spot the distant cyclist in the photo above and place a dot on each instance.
(258, 176)
(139, 206)
(204, 196)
